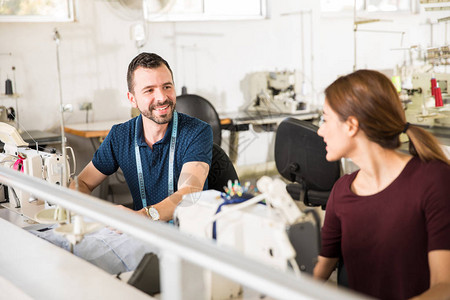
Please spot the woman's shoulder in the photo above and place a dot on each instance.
(426, 174)
(345, 181)
(429, 168)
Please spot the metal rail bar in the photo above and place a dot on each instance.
(180, 247)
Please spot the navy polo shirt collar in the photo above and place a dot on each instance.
(164, 140)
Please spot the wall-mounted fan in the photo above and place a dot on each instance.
(135, 9)
(127, 9)
(152, 7)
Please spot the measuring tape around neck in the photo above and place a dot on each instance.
(137, 152)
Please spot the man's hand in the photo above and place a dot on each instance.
(192, 178)
(141, 212)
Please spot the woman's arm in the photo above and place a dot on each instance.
(324, 267)
(439, 261)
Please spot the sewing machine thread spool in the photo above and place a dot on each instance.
(438, 97)
(396, 80)
(78, 226)
(8, 87)
(433, 85)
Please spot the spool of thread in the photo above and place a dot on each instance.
(8, 87)
(438, 97)
(433, 85)
(396, 80)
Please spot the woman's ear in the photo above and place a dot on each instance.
(352, 125)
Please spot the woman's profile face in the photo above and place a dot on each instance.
(334, 133)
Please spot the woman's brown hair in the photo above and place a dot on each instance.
(372, 99)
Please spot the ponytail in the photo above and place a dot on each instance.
(424, 145)
(372, 98)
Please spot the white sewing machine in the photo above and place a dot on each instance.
(276, 92)
(256, 230)
(422, 108)
(40, 164)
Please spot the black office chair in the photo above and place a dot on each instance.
(300, 158)
(199, 107)
(222, 168)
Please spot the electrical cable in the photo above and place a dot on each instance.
(16, 199)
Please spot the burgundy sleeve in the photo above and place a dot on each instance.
(437, 208)
(331, 231)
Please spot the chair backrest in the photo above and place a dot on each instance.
(221, 170)
(199, 107)
(300, 157)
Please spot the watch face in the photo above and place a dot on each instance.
(154, 214)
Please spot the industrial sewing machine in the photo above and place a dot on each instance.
(422, 107)
(276, 92)
(17, 155)
(261, 231)
(7, 115)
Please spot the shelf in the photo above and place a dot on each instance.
(13, 96)
(433, 1)
(435, 5)
(365, 21)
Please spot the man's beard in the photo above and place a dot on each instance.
(159, 119)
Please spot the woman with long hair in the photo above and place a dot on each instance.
(390, 220)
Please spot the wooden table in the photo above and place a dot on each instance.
(92, 130)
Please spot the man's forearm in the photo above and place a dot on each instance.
(81, 187)
(168, 205)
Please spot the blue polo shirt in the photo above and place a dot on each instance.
(194, 143)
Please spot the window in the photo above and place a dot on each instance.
(388, 5)
(36, 11)
(197, 10)
(367, 5)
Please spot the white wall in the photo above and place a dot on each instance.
(95, 52)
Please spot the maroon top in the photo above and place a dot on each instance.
(385, 238)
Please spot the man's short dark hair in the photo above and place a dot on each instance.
(145, 60)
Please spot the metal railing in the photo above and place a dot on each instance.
(181, 256)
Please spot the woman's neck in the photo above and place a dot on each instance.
(379, 167)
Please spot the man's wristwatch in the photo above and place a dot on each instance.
(152, 213)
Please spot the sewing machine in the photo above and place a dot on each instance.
(40, 164)
(260, 231)
(7, 115)
(422, 110)
(276, 92)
